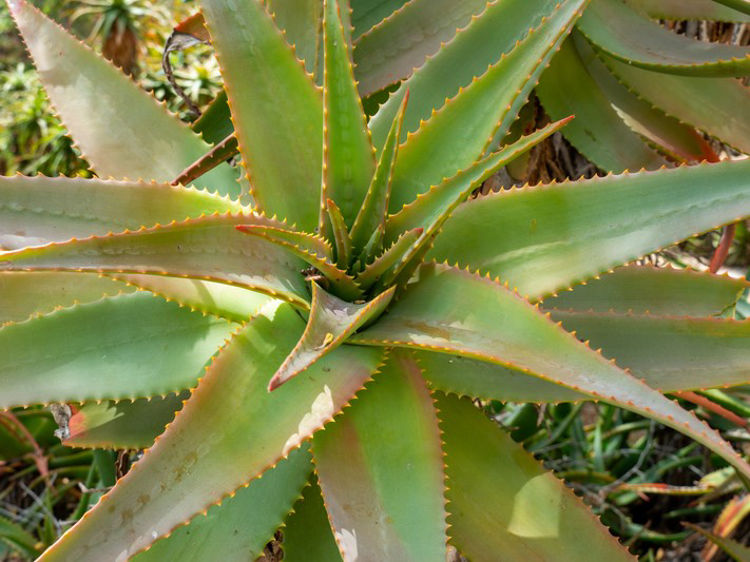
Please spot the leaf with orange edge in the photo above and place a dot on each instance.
(382, 475)
(209, 248)
(219, 441)
(120, 142)
(459, 313)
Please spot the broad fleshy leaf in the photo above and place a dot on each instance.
(456, 312)
(38, 210)
(656, 290)
(300, 22)
(236, 304)
(462, 130)
(622, 33)
(367, 13)
(501, 500)
(481, 44)
(670, 352)
(307, 533)
(716, 106)
(542, 239)
(43, 292)
(331, 322)
(567, 88)
(209, 248)
(375, 272)
(119, 142)
(382, 476)
(687, 10)
(348, 157)
(391, 50)
(220, 440)
(273, 130)
(239, 528)
(128, 346)
(124, 424)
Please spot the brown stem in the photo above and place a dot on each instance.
(722, 251)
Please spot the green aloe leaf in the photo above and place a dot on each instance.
(227, 148)
(390, 50)
(367, 13)
(272, 130)
(382, 476)
(670, 352)
(740, 5)
(307, 533)
(688, 9)
(482, 43)
(300, 22)
(215, 124)
(239, 528)
(310, 243)
(340, 233)
(348, 156)
(655, 290)
(624, 34)
(599, 132)
(375, 271)
(547, 238)
(680, 141)
(339, 279)
(456, 312)
(38, 210)
(128, 346)
(220, 440)
(43, 292)
(501, 500)
(331, 322)
(462, 130)
(124, 424)
(374, 209)
(236, 304)
(209, 249)
(120, 142)
(709, 104)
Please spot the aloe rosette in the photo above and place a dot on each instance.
(327, 318)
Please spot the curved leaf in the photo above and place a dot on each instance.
(655, 290)
(452, 311)
(620, 31)
(120, 142)
(129, 346)
(217, 443)
(382, 475)
(239, 528)
(331, 322)
(501, 500)
(546, 238)
(462, 130)
(567, 88)
(713, 105)
(392, 49)
(272, 130)
(209, 248)
(38, 210)
(688, 9)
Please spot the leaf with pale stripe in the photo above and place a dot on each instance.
(546, 238)
(220, 440)
(382, 476)
(453, 311)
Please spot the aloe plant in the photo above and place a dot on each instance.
(327, 319)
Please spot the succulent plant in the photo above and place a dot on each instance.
(328, 318)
